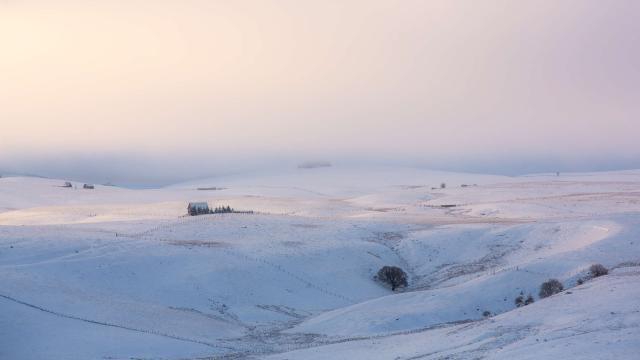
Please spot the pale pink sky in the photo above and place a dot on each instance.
(443, 79)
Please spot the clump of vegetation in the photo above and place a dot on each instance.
(393, 276)
(550, 287)
(522, 301)
(595, 271)
(486, 313)
(519, 301)
(598, 270)
(528, 300)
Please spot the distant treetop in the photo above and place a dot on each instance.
(314, 164)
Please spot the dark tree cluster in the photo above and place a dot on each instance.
(393, 276)
(223, 209)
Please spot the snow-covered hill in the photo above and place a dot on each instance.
(597, 320)
(120, 273)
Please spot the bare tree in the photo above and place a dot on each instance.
(393, 275)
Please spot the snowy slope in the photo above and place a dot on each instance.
(486, 274)
(126, 274)
(597, 320)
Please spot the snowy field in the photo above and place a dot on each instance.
(115, 273)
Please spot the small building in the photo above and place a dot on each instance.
(88, 186)
(198, 208)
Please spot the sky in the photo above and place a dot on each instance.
(144, 91)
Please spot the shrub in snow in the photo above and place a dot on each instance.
(486, 313)
(529, 300)
(393, 276)
(550, 287)
(519, 301)
(598, 270)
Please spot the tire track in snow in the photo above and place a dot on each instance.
(316, 340)
(95, 322)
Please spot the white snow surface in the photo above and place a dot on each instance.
(114, 273)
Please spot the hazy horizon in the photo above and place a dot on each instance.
(151, 173)
(150, 93)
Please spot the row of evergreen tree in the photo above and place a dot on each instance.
(223, 209)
